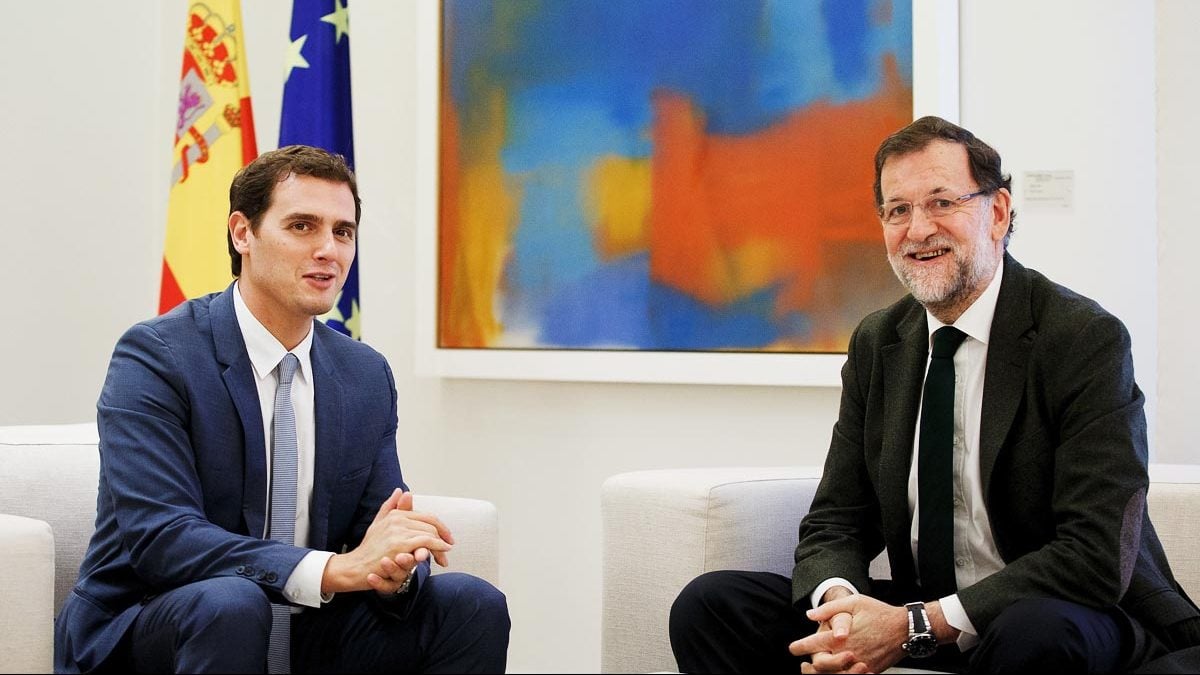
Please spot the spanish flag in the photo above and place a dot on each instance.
(214, 137)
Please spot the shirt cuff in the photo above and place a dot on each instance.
(303, 587)
(828, 584)
(956, 616)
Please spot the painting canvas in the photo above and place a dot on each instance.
(664, 175)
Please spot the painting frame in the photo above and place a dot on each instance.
(935, 91)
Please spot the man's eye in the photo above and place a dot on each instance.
(942, 203)
(300, 226)
(899, 211)
(344, 232)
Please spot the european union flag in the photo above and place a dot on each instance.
(316, 110)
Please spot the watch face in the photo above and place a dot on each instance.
(921, 645)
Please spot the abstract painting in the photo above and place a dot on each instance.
(664, 175)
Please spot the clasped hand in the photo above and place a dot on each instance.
(395, 543)
(857, 634)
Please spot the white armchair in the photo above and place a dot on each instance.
(663, 528)
(48, 482)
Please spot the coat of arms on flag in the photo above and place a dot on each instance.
(214, 137)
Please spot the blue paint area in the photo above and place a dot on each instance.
(606, 308)
(579, 119)
(552, 244)
(848, 28)
(745, 62)
(795, 71)
(617, 306)
(897, 38)
(469, 25)
(681, 322)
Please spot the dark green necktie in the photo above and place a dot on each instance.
(935, 469)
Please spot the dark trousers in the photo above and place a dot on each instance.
(457, 623)
(743, 622)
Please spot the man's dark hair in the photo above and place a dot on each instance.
(981, 157)
(253, 185)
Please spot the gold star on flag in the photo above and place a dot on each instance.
(340, 18)
(334, 314)
(294, 58)
(354, 323)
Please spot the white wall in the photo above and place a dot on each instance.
(1178, 230)
(87, 143)
(1054, 88)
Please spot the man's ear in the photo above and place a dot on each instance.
(239, 230)
(1001, 213)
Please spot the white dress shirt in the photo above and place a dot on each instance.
(975, 552)
(303, 587)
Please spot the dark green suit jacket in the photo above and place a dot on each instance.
(1062, 459)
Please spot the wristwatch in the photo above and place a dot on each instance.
(407, 583)
(921, 642)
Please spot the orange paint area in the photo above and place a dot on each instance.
(478, 214)
(732, 215)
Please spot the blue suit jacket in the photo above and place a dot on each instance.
(183, 476)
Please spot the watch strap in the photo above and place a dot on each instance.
(918, 618)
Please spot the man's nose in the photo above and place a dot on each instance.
(324, 245)
(920, 226)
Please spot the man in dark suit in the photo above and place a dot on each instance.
(248, 469)
(1041, 555)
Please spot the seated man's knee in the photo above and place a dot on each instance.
(219, 625)
(702, 596)
(491, 601)
(240, 603)
(700, 593)
(475, 623)
(1044, 633)
(479, 598)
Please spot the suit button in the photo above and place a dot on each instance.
(250, 570)
(271, 577)
(241, 569)
(262, 576)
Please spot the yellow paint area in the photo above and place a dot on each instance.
(617, 200)
(488, 210)
(754, 266)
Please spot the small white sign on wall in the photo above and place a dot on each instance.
(1050, 190)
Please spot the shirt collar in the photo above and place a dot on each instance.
(264, 350)
(976, 321)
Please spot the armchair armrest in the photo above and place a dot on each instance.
(27, 589)
(475, 526)
(663, 528)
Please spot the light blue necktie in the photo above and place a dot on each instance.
(282, 524)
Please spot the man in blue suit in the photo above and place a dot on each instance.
(181, 574)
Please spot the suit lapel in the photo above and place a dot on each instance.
(1008, 355)
(903, 372)
(239, 380)
(328, 402)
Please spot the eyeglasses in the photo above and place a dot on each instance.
(935, 207)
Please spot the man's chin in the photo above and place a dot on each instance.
(319, 308)
(925, 290)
